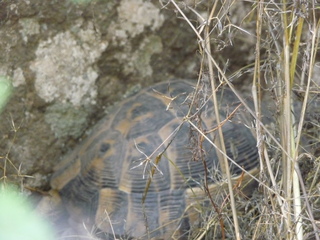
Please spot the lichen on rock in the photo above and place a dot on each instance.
(29, 27)
(66, 120)
(135, 16)
(64, 67)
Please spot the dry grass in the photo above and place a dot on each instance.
(283, 70)
(16, 177)
(286, 39)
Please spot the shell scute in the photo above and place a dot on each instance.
(147, 149)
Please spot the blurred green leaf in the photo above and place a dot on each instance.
(18, 221)
(5, 91)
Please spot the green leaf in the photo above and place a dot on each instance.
(5, 91)
(18, 221)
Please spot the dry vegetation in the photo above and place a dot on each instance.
(284, 71)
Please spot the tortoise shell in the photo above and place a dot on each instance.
(144, 163)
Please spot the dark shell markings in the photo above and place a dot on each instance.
(143, 164)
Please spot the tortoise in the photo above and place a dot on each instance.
(144, 163)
